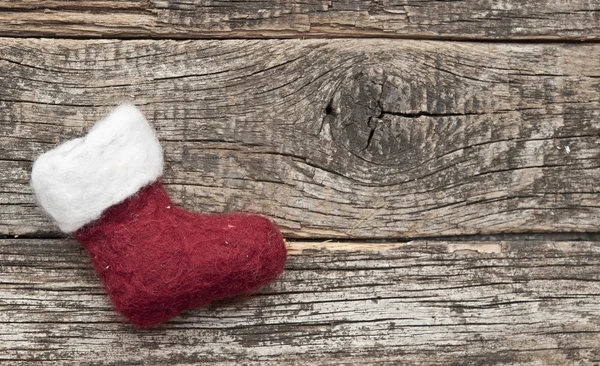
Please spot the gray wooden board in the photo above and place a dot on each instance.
(415, 303)
(475, 19)
(331, 138)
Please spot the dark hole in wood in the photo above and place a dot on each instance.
(329, 108)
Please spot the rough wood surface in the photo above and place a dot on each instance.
(416, 303)
(474, 19)
(331, 138)
(354, 138)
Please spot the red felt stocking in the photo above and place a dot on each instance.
(155, 259)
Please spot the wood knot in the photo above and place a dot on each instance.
(362, 118)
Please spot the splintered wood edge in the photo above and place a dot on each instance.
(298, 247)
(493, 247)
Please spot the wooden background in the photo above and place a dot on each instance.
(434, 165)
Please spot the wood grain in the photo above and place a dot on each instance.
(474, 19)
(416, 303)
(342, 138)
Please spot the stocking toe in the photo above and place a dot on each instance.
(259, 250)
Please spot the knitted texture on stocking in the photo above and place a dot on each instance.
(158, 260)
(155, 259)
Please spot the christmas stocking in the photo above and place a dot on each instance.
(155, 259)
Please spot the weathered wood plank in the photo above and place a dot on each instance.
(475, 19)
(418, 303)
(331, 138)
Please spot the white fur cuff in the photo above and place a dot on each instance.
(78, 180)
